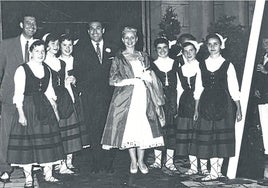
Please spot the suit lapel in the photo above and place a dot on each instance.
(93, 53)
(104, 58)
(17, 50)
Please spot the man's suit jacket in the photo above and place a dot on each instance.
(10, 58)
(92, 80)
(261, 83)
(93, 76)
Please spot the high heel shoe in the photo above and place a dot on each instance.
(143, 168)
(133, 170)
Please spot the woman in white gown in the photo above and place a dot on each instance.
(133, 121)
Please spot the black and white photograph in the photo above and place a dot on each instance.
(133, 93)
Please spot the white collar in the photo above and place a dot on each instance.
(24, 40)
(164, 64)
(189, 69)
(218, 59)
(95, 43)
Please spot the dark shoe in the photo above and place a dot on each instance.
(29, 185)
(4, 179)
(222, 178)
(75, 170)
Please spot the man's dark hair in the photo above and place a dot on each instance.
(185, 36)
(26, 14)
(89, 23)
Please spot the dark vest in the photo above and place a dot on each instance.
(35, 88)
(213, 100)
(64, 101)
(187, 102)
(34, 85)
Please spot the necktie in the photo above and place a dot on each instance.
(98, 51)
(26, 57)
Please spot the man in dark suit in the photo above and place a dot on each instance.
(261, 92)
(13, 52)
(93, 58)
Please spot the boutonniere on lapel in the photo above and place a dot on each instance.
(109, 51)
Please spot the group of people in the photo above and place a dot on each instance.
(59, 97)
(42, 119)
(260, 91)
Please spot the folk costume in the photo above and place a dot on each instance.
(166, 70)
(76, 99)
(68, 120)
(187, 73)
(39, 142)
(215, 133)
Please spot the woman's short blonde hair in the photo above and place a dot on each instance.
(129, 29)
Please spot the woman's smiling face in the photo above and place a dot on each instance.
(38, 53)
(162, 50)
(53, 46)
(66, 47)
(189, 52)
(214, 45)
(129, 39)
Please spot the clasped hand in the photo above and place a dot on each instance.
(22, 120)
(261, 69)
(70, 79)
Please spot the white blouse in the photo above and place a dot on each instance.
(164, 64)
(20, 80)
(69, 66)
(213, 64)
(53, 62)
(190, 69)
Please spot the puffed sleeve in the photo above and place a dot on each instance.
(179, 89)
(19, 80)
(233, 85)
(198, 84)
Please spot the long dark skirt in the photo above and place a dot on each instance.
(73, 130)
(215, 138)
(80, 116)
(169, 137)
(70, 134)
(36, 142)
(184, 135)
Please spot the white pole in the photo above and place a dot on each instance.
(246, 83)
